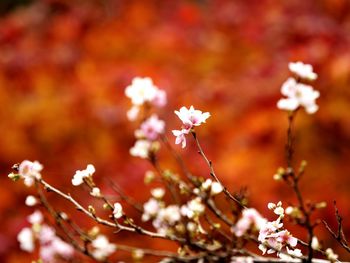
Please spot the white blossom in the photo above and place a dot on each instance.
(298, 95)
(118, 210)
(102, 247)
(193, 208)
(315, 243)
(158, 192)
(141, 149)
(30, 171)
(35, 218)
(150, 209)
(96, 192)
(192, 117)
(331, 256)
(79, 175)
(304, 71)
(31, 200)
(141, 91)
(26, 239)
(250, 218)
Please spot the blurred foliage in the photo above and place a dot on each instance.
(64, 66)
(9, 5)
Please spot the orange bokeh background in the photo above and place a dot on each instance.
(64, 66)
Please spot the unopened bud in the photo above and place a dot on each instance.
(321, 205)
(92, 210)
(14, 177)
(137, 254)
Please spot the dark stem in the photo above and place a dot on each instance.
(212, 172)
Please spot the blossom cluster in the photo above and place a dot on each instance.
(274, 238)
(299, 94)
(143, 92)
(191, 215)
(51, 246)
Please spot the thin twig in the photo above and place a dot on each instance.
(212, 171)
(339, 236)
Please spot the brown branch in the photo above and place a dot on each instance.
(339, 236)
(294, 183)
(212, 172)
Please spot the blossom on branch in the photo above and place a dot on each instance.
(141, 149)
(117, 211)
(79, 175)
(51, 246)
(180, 136)
(102, 247)
(190, 118)
(298, 95)
(142, 91)
(251, 218)
(151, 128)
(30, 171)
(273, 238)
(304, 71)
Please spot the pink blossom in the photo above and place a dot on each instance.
(180, 137)
(151, 128)
(141, 91)
(35, 218)
(160, 100)
(250, 217)
(30, 171)
(191, 117)
(284, 236)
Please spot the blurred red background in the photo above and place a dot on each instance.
(64, 66)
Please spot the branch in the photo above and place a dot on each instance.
(212, 172)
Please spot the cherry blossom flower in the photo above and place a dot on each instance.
(298, 95)
(151, 128)
(302, 70)
(192, 117)
(166, 218)
(46, 234)
(193, 208)
(215, 187)
(96, 192)
(331, 256)
(250, 218)
(117, 211)
(30, 171)
(35, 218)
(79, 175)
(141, 149)
(141, 91)
(26, 239)
(315, 244)
(274, 238)
(133, 113)
(180, 136)
(102, 247)
(158, 192)
(31, 200)
(55, 247)
(51, 245)
(150, 209)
